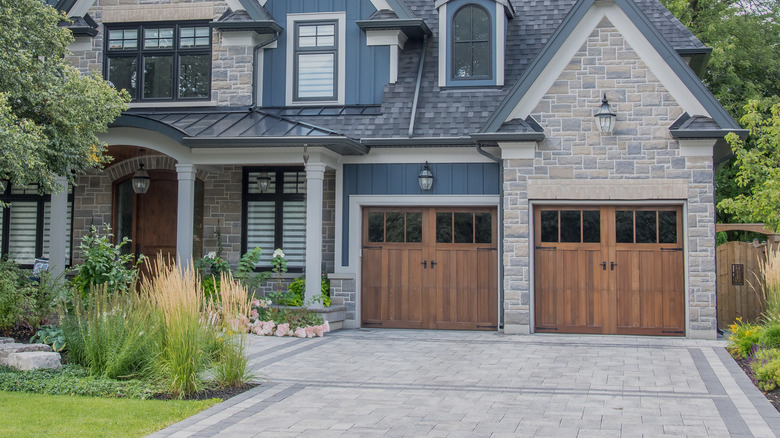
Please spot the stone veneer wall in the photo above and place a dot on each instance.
(222, 208)
(231, 66)
(641, 147)
(92, 205)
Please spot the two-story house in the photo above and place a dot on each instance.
(529, 166)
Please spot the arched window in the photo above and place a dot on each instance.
(471, 51)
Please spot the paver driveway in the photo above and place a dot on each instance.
(434, 383)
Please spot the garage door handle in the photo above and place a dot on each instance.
(603, 266)
(425, 264)
(432, 263)
(612, 266)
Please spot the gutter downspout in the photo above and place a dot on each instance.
(500, 272)
(255, 60)
(417, 87)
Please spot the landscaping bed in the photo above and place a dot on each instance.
(772, 396)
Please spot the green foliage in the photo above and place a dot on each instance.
(49, 113)
(52, 335)
(295, 317)
(74, 379)
(745, 37)
(245, 273)
(744, 336)
(770, 336)
(213, 265)
(104, 263)
(765, 366)
(759, 167)
(115, 335)
(231, 367)
(16, 291)
(294, 296)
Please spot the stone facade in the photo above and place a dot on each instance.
(232, 66)
(641, 147)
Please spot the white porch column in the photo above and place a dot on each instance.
(315, 172)
(58, 234)
(185, 212)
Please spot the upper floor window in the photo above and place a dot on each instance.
(471, 47)
(157, 61)
(316, 53)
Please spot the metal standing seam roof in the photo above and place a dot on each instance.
(227, 127)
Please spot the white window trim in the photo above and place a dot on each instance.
(341, 82)
(498, 35)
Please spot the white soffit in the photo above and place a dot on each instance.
(654, 61)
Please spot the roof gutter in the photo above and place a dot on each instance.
(419, 81)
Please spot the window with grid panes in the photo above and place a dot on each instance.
(156, 61)
(25, 224)
(315, 58)
(276, 218)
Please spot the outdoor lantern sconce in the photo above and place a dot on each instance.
(263, 180)
(425, 178)
(605, 118)
(141, 180)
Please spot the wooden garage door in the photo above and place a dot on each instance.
(429, 268)
(612, 270)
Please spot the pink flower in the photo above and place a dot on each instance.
(255, 302)
(327, 326)
(254, 313)
(267, 327)
(283, 329)
(319, 330)
(309, 331)
(300, 332)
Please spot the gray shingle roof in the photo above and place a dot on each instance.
(459, 112)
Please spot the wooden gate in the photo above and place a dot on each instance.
(739, 282)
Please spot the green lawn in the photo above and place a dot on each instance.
(34, 415)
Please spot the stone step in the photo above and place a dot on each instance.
(11, 348)
(34, 360)
(6, 340)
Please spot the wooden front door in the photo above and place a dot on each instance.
(610, 270)
(149, 219)
(429, 268)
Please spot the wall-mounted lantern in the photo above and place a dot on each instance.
(141, 180)
(605, 118)
(425, 178)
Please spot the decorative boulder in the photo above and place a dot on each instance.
(34, 360)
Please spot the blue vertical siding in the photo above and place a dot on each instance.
(367, 68)
(401, 179)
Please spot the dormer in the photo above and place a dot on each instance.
(472, 35)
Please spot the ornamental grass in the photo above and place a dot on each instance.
(175, 293)
(770, 271)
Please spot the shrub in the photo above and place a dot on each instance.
(770, 335)
(296, 292)
(295, 317)
(113, 334)
(765, 366)
(104, 263)
(15, 295)
(743, 337)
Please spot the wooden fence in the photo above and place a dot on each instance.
(740, 283)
